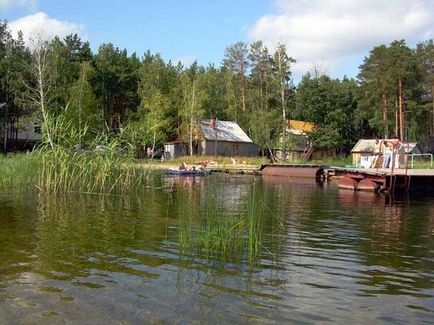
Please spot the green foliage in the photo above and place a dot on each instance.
(116, 84)
(84, 110)
(330, 104)
(380, 75)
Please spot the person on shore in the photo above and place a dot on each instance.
(150, 153)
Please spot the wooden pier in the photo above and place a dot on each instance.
(382, 179)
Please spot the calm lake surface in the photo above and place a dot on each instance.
(216, 249)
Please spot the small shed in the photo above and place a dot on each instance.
(364, 149)
(175, 149)
(412, 148)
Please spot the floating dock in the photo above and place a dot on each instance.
(382, 179)
(357, 179)
(294, 171)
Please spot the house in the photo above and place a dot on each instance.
(300, 128)
(298, 145)
(364, 149)
(22, 133)
(221, 138)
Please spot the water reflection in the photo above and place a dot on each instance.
(218, 248)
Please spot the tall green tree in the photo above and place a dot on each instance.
(83, 113)
(282, 69)
(425, 55)
(402, 70)
(235, 59)
(13, 56)
(116, 84)
(155, 90)
(377, 89)
(194, 97)
(263, 123)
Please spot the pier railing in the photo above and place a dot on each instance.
(430, 155)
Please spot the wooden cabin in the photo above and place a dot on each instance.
(217, 138)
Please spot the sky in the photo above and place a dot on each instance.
(330, 35)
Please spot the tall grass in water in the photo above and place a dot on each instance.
(214, 232)
(64, 170)
(63, 165)
(19, 170)
(99, 167)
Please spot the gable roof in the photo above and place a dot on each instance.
(300, 127)
(224, 131)
(364, 145)
(413, 147)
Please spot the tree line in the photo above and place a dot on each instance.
(145, 101)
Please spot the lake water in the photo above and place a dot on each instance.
(217, 249)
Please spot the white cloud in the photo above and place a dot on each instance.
(5, 4)
(327, 32)
(40, 25)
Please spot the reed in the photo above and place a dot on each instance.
(214, 232)
(65, 164)
(63, 170)
(19, 170)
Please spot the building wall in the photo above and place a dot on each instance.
(225, 148)
(321, 154)
(173, 150)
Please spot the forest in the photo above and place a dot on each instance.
(142, 100)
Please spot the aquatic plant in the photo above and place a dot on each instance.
(90, 171)
(215, 232)
(19, 170)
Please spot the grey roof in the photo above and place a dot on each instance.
(413, 147)
(225, 131)
(364, 145)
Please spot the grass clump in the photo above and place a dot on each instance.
(19, 170)
(213, 232)
(88, 171)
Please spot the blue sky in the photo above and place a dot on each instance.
(333, 35)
